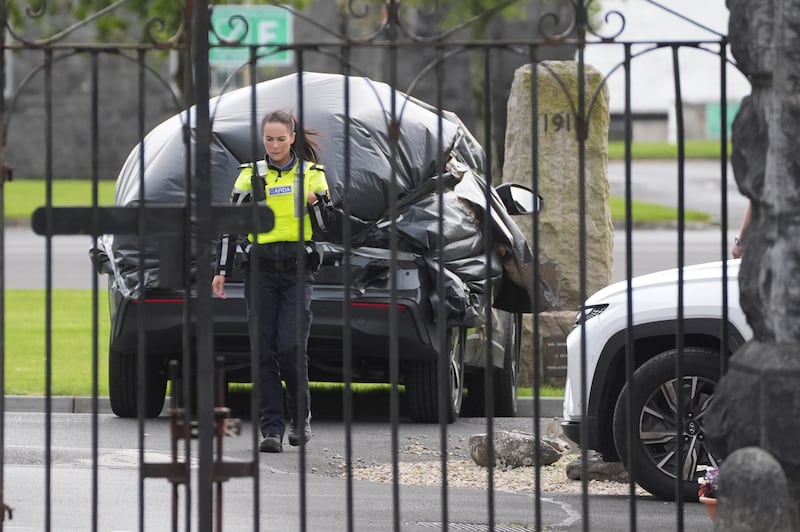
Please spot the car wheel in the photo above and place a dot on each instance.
(505, 378)
(123, 389)
(505, 392)
(422, 383)
(655, 402)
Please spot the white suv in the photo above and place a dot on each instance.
(598, 413)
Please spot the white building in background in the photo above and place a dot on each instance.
(652, 79)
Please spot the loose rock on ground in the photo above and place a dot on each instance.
(464, 473)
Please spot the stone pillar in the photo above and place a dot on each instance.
(757, 403)
(557, 157)
(558, 162)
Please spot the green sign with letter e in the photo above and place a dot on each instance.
(245, 25)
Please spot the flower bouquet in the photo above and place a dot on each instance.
(708, 491)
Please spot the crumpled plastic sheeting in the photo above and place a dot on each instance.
(368, 189)
(462, 255)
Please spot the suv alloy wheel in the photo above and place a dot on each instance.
(655, 406)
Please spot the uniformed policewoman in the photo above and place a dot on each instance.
(278, 179)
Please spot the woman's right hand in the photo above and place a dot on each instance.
(218, 286)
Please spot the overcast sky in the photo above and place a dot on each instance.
(651, 73)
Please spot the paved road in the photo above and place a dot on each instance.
(279, 490)
(657, 249)
(653, 181)
(26, 264)
(653, 250)
(657, 182)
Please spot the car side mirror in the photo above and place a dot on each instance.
(519, 199)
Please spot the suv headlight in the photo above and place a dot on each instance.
(589, 311)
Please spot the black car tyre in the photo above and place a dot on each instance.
(505, 391)
(123, 389)
(653, 401)
(422, 383)
(505, 378)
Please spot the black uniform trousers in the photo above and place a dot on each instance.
(278, 334)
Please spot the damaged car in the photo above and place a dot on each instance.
(438, 249)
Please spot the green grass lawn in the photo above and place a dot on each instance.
(71, 345)
(644, 213)
(23, 196)
(71, 342)
(693, 149)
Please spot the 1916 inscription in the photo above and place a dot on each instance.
(556, 122)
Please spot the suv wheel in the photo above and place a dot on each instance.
(505, 395)
(655, 405)
(123, 389)
(422, 383)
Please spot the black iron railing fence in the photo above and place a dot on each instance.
(170, 239)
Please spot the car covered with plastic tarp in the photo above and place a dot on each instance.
(383, 152)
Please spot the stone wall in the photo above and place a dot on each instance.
(753, 423)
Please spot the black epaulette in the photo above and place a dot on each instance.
(317, 166)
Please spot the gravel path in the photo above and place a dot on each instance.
(462, 472)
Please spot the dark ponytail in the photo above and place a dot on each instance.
(310, 147)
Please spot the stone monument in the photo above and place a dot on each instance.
(558, 160)
(755, 416)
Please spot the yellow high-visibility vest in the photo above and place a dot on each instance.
(281, 189)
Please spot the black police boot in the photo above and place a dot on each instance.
(272, 443)
(295, 438)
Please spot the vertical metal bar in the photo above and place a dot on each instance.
(537, 406)
(392, 27)
(580, 132)
(255, 350)
(48, 320)
(679, 448)
(441, 320)
(300, 317)
(188, 388)
(3, 79)
(141, 338)
(200, 207)
(347, 275)
(488, 247)
(95, 144)
(723, 159)
(630, 363)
